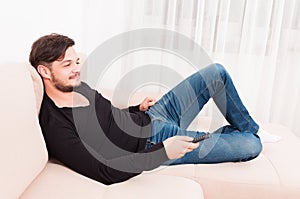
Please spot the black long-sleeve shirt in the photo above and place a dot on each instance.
(99, 141)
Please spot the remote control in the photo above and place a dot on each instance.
(201, 137)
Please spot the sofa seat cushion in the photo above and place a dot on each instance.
(59, 182)
(218, 179)
(285, 160)
(149, 186)
(271, 175)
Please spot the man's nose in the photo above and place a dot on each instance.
(76, 68)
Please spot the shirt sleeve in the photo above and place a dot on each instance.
(69, 149)
(133, 109)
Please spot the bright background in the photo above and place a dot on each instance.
(258, 41)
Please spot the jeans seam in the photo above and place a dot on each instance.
(186, 110)
(207, 85)
(238, 109)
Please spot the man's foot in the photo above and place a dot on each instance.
(266, 137)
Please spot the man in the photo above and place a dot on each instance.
(87, 134)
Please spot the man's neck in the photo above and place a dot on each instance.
(66, 99)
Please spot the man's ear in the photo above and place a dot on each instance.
(44, 71)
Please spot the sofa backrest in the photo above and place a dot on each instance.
(23, 151)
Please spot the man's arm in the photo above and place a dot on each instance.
(146, 103)
(69, 149)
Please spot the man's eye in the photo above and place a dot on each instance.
(78, 63)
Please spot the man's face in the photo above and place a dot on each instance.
(65, 73)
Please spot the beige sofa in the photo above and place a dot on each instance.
(26, 171)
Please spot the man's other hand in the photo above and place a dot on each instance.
(178, 146)
(148, 101)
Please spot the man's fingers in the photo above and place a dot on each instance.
(190, 145)
(188, 150)
(151, 103)
(147, 103)
(194, 145)
(178, 146)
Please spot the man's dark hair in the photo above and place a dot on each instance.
(48, 49)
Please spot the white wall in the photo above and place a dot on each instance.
(88, 22)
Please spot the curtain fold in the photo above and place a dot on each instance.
(258, 42)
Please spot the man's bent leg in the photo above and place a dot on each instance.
(182, 104)
(226, 144)
(223, 147)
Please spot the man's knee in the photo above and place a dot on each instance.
(217, 70)
(221, 70)
(252, 148)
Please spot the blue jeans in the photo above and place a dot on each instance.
(174, 112)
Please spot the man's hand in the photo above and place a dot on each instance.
(178, 146)
(148, 101)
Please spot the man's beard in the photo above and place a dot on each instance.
(64, 88)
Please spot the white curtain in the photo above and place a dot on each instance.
(258, 41)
